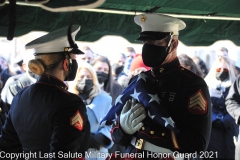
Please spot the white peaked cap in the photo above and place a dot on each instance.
(55, 41)
(159, 23)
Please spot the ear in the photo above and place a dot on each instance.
(65, 64)
(174, 45)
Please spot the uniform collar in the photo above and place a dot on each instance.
(165, 68)
(47, 78)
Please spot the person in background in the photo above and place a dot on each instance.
(130, 54)
(11, 70)
(121, 59)
(201, 64)
(166, 109)
(233, 107)
(224, 129)
(98, 103)
(103, 69)
(117, 71)
(137, 66)
(15, 83)
(189, 64)
(4, 108)
(3, 113)
(45, 118)
(123, 81)
(3, 63)
(118, 66)
(224, 51)
(88, 55)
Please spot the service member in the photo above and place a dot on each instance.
(180, 92)
(45, 119)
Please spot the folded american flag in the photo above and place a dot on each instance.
(143, 88)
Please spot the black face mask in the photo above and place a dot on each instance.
(117, 69)
(72, 71)
(152, 55)
(102, 77)
(84, 85)
(85, 95)
(222, 75)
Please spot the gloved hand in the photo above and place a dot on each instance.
(97, 140)
(131, 117)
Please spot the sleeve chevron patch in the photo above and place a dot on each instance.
(197, 103)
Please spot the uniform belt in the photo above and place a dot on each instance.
(145, 145)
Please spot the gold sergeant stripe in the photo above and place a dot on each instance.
(174, 140)
(198, 99)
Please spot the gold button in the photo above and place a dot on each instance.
(151, 132)
(161, 70)
(182, 68)
(163, 134)
(0, 109)
(143, 128)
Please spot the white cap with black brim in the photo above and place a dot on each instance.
(157, 26)
(59, 41)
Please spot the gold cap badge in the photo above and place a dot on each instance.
(66, 49)
(143, 18)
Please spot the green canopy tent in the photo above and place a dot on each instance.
(207, 20)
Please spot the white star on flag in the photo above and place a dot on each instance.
(168, 121)
(152, 116)
(135, 95)
(103, 123)
(144, 89)
(118, 100)
(142, 76)
(116, 116)
(154, 98)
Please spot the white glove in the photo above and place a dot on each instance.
(132, 116)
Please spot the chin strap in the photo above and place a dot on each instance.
(70, 62)
(169, 43)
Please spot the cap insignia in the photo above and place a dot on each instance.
(143, 18)
(161, 69)
(66, 49)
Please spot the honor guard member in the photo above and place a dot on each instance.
(180, 92)
(45, 119)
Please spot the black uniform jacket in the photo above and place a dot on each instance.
(46, 118)
(185, 97)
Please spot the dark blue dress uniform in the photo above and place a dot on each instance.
(46, 118)
(185, 97)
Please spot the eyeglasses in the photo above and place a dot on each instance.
(87, 58)
(220, 69)
(162, 42)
